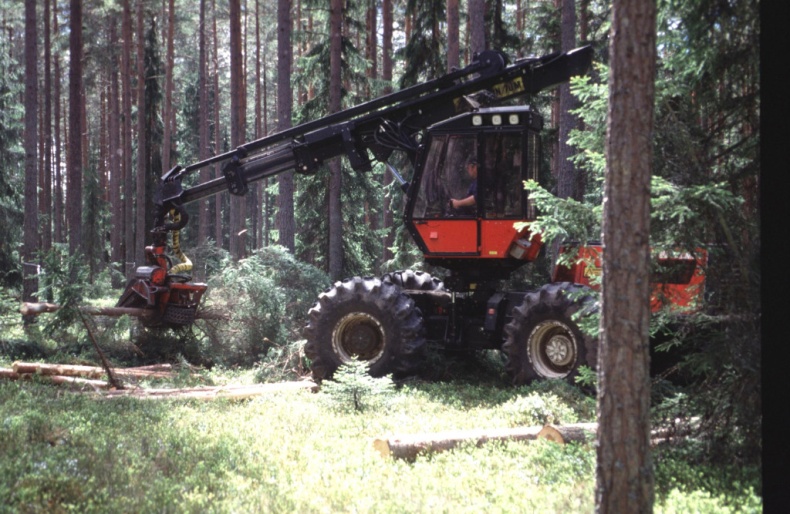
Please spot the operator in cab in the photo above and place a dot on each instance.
(468, 203)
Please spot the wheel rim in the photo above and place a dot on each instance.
(359, 335)
(552, 349)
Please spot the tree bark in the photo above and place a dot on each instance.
(115, 164)
(31, 237)
(237, 126)
(476, 27)
(45, 204)
(624, 469)
(127, 226)
(569, 184)
(203, 139)
(58, 178)
(74, 186)
(453, 38)
(335, 170)
(168, 118)
(285, 222)
(140, 235)
(386, 76)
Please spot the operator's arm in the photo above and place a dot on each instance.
(469, 201)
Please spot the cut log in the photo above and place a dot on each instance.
(152, 367)
(238, 392)
(76, 381)
(577, 433)
(69, 370)
(9, 374)
(409, 447)
(72, 370)
(34, 309)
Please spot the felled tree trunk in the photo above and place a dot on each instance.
(34, 309)
(408, 447)
(563, 434)
(72, 370)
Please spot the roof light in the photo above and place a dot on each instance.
(496, 119)
(513, 119)
(477, 120)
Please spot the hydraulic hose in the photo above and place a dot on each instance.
(186, 264)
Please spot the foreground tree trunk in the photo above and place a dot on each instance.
(624, 470)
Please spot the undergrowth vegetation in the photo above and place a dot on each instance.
(291, 452)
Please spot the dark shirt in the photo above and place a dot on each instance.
(472, 190)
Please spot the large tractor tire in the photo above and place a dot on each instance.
(413, 280)
(366, 319)
(542, 341)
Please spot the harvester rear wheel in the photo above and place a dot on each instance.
(366, 319)
(543, 341)
(413, 280)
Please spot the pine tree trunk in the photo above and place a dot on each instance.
(142, 151)
(74, 186)
(476, 27)
(568, 181)
(116, 167)
(167, 111)
(45, 206)
(203, 112)
(127, 227)
(624, 469)
(335, 171)
(29, 259)
(237, 203)
(386, 76)
(453, 41)
(218, 232)
(285, 199)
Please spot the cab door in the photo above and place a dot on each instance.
(441, 230)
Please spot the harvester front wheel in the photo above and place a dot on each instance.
(366, 319)
(543, 341)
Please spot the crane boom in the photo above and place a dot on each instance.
(397, 117)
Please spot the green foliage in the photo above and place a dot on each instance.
(65, 280)
(424, 53)
(266, 296)
(287, 452)
(684, 484)
(587, 377)
(564, 219)
(352, 389)
(11, 172)
(538, 409)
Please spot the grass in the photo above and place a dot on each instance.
(291, 452)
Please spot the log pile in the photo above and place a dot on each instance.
(81, 376)
(88, 378)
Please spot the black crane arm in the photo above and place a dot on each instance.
(380, 126)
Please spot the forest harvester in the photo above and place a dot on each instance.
(441, 125)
